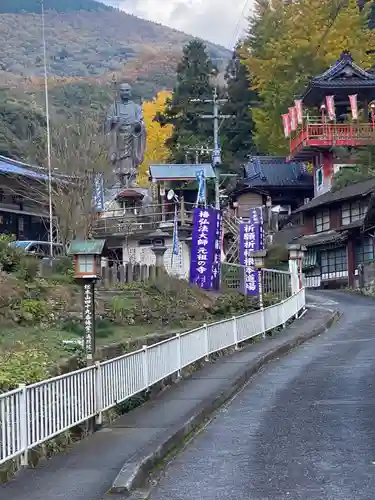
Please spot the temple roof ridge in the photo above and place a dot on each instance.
(338, 67)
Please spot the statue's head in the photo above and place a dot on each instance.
(125, 92)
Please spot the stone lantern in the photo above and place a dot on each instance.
(158, 247)
(259, 258)
(296, 254)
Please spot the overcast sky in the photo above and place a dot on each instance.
(213, 20)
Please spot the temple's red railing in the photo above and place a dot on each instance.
(329, 135)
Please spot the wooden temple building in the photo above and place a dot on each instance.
(337, 119)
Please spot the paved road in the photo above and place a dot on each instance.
(305, 429)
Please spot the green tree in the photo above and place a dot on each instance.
(22, 129)
(237, 132)
(363, 160)
(193, 82)
(288, 44)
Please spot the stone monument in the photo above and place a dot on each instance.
(126, 133)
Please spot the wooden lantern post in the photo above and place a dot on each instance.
(87, 256)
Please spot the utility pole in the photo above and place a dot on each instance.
(217, 121)
(48, 131)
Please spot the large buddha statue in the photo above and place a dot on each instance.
(127, 136)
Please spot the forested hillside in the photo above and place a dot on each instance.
(87, 43)
(81, 41)
(18, 6)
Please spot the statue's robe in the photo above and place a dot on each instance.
(127, 140)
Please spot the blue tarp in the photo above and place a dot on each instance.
(15, 168)
(180, 171)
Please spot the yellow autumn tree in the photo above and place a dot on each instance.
(291, 42)
(156, 151)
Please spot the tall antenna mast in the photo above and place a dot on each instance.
(48, 127)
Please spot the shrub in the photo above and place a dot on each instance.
(122, 309)
(32, 310)
(63, 265)
(11, 293)
(27, 268)
(10, 256)
(22, 365)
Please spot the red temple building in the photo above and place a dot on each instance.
(333, 118)
(324, 129)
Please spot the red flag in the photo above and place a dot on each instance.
(299, 111)
(354, 106)
(286, 124)
(293, 118)
(330, 100)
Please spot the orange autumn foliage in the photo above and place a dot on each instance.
(156, 151)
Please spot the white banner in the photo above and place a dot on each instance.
(299, 111)
(354, 106)
(330, 100)
(286, 124)
(293, 118)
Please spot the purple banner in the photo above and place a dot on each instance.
(203, 247)
(216, 271)
(256, 217)
(251, 239)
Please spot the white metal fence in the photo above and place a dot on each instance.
(274, 281)
(31, 415)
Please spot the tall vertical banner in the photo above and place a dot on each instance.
(205, 262)
(216, 270)
(201, 179)
(98, 192)
(354, 106)
(251, 240)
(175, 239)
(330, 101)
(286, 124)
(293, 118)
(299, 111)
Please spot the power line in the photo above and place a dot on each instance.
(235, 35)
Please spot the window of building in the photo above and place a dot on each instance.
(319, 178)
(322, 221)
(353, 211)
(334, 263)
(364, 251)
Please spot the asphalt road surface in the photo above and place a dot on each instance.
(304, 428)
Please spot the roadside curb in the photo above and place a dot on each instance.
(136, 471)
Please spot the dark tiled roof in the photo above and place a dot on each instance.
(323, 238)
(287, 234)
(345, 74)
(353, 191)
(265, 171)
(344, 68)
(344, 71)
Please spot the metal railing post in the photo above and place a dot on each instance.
(179, 355)
(207, 357)
(283, 314)
(261, 304)
(235, 332)
(145, 367)
(98, 394)
(23, 416)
